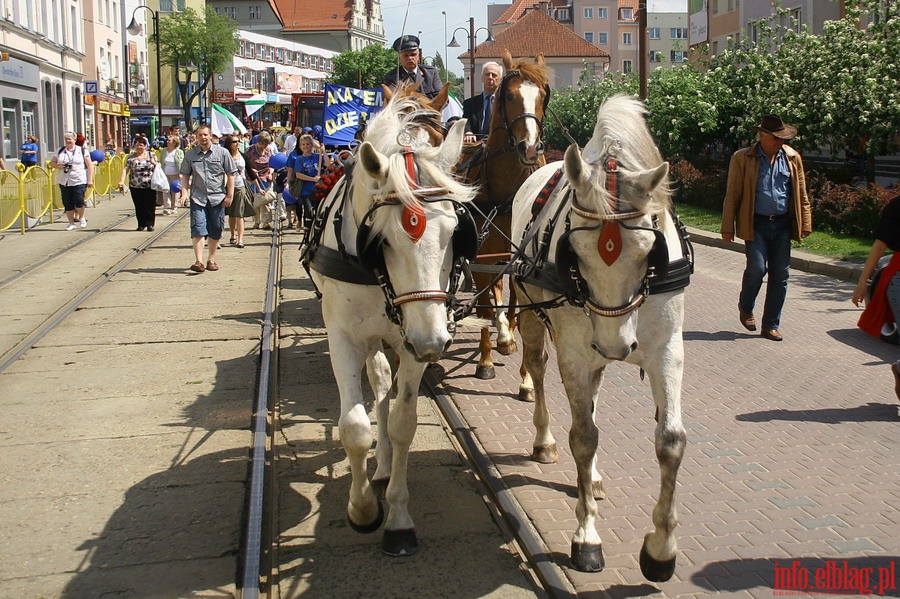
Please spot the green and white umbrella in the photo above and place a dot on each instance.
(223, 122)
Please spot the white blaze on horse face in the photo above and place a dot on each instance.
(530, 93)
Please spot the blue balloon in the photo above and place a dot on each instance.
(98, 156)
(278, 161)
(288, 198)
(175, 186)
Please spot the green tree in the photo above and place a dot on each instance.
(209, 42)
(363, 69)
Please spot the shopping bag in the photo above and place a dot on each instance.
(263, 196)
(158, 180)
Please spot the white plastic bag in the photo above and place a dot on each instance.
(159, 181)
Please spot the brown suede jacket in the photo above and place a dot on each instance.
(740, 195)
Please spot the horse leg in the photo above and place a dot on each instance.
(378, 369)
(582, 388)
(534, 361)
(364, 510)
(485, 369)
(512, 318)
(658, 553)
(399, 531)
(506, 342)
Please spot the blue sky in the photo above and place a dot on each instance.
(426, 16)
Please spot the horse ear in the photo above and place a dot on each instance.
(440, 100)
(539, 59)
(650, 179)
(453, 143)
(375, 165)
(388, 93)
(507, 60)
(575, 166)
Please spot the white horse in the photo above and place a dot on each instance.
(397, 229)
(611, 234)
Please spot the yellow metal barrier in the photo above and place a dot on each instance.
(30, 193)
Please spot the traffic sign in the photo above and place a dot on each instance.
(90, 88)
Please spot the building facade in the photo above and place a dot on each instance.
(41, 90)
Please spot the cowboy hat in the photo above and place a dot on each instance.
(405, 42)
(773, 125)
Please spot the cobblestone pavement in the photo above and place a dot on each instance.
(792, 453)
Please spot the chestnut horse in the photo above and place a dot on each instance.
(499, 165)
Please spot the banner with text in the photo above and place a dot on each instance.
(346, 108)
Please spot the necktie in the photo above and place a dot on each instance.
(488, 110)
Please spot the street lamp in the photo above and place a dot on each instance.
(134, 28)
(471, 33)
(446, 57)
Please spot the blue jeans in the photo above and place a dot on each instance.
(769, 252)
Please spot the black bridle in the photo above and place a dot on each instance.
(508, 124)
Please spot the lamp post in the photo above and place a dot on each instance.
(471, 33)
(446, 66)
(134, 28)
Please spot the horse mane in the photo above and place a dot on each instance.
(397, 120)
(622, 127)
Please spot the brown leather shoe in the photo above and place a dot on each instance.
(772, 335)
(212, 265)
(197, 267)
(747, 320)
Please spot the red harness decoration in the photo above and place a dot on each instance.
(413, 219)
(609, 246)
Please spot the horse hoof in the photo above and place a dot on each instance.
(506, 349)
(485, 373)
(371, 527)
(399, 543)
(598, 490)
(587, 557)
(653, 569)
(545, 455)
(526, 395)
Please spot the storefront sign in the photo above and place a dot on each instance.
(19, 72)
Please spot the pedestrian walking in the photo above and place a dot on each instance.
(766, 205)
(207, 177)
(304, 169)
(28, 152)
(171, 157)
(139, 168)
(242, 205)
(76, 174)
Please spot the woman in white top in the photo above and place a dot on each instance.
(171, 157)
(76, 174)
(242, 205)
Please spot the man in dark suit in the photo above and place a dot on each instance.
(478, 109)
(409, 70)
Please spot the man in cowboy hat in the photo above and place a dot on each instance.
(410, 71)
(766, 205)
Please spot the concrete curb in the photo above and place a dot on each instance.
(838, 269)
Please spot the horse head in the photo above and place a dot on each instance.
(409, 213)
(428, 111)
(522, 100)
(620, 186)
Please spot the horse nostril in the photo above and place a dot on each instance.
(447, 345)
(634, 346)
(540, 148)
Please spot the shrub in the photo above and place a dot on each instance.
(845, 209)
(705, 188)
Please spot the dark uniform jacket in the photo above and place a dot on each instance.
(426, 76)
